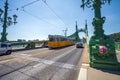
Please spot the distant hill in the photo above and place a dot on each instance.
(115, 36)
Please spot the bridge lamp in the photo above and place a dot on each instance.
(14, 18)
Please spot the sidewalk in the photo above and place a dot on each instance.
(89, 73)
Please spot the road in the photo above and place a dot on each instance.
(41, 64)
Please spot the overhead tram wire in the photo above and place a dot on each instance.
(44, 1)
(30, 3)
(22, 9)
(39, 18)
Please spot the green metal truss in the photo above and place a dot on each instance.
(75, 35)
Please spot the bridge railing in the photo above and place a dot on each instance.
(117, 45)
(27, 45)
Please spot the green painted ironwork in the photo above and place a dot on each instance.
(106, 59)
(7, 21)
(75, 36)
(4, 34)
(28, 45)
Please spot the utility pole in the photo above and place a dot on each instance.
(6, 21)
(65, 32)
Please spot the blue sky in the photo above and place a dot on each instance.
(37, 21)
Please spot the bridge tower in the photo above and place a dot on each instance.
(75, 35)
(77, 38)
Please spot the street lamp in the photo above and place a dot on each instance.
(15, 17)
(6, 21)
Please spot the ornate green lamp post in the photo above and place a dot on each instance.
(101, 47)
(6, 21)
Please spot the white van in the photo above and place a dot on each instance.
(5, 48)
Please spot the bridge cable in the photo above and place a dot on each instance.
(44, 1)
(30, 3)
(38, 18)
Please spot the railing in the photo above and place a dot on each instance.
(27, 45)
(117, 45)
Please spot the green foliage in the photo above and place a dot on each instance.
(115, 36)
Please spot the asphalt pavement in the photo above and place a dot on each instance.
(42, 64)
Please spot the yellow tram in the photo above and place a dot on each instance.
(58, 41)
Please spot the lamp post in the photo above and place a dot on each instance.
(6, 21)
(98, 21)
(101, 47)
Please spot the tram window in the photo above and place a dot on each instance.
(51, 39)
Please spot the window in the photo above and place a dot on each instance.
(3, 45)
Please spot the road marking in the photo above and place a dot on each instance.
(37, 65)
(82, 74)
(25, 54)
(59, 64)
(4, 61)
(87, 65)
(66, 72)
(62, 55)
(49, 62)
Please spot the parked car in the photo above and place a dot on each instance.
(79, 45)
(5, 48)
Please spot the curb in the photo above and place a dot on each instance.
(83, 73)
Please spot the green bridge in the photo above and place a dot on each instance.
(102, 49)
